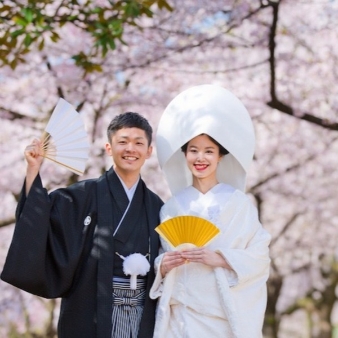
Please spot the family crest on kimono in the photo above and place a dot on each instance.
(73, 242)
(205, 144)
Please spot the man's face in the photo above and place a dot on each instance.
(129, 149)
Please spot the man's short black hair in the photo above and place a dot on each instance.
(222, 150)
(129, 120)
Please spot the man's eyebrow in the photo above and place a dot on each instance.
(136, 138)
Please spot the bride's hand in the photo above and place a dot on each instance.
(205, 256)
(170, 260)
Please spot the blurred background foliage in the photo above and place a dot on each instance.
(28, 23)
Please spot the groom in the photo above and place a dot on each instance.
(70, 243)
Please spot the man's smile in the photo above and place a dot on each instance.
(130, 158)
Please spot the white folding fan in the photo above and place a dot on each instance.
(187, 231)
(65, 140)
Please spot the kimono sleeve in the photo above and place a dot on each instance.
(248, 251)
(47, 242)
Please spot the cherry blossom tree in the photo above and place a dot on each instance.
(31, 23)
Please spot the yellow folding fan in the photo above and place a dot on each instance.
(187, 231)
(65, 140)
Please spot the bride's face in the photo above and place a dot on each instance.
(202, 157)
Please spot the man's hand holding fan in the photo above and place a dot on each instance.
(64, 141)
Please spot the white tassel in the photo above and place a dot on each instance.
(134, 265)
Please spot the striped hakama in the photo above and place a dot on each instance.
(127, 307)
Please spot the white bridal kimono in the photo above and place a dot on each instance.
(198, 301)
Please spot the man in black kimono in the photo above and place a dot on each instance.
(71, 243)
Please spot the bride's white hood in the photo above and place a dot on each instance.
(205, 109)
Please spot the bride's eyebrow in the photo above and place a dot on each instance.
(208, 147)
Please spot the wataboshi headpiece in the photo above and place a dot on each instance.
(212, 110)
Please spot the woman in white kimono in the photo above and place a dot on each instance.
(205, 143)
